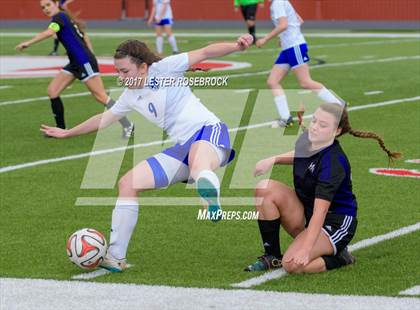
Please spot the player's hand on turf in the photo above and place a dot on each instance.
(260, 42)
(263, 166)
(54, 131)
(245, 41)
(21, 46)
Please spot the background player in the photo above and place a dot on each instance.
(161, 14)
(202, 139)
(64, 5)
(320, 212)
(83, 64)
(294, 56)
(249, 12)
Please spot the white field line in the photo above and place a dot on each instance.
(34, 294)
(328, 65)
(47, 98)
(276, 274)
(228, 34)
(328, 45)
(5, 87)
(108, 151)
(413, 161)
(373, 92)
(415, 290)
(94, 274)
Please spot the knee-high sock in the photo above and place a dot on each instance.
(172, 42)
(251, 30)
(282, 106)
(124, 220)
(56, 45)
(270, 235)
(58, 111)
(159, 44)
(123, 121)
(328, 96)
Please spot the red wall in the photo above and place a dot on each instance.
(223, 9)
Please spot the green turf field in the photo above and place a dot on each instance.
(170, 246)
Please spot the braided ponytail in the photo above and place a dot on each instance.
(342, 117)
(372, 135)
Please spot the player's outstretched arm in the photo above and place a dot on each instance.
(281, 26)
(220, 49)
(39, 37)
(266, 164)
(94, 123)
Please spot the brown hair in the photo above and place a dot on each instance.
(74, 17)
(137, 51)
(341, 115)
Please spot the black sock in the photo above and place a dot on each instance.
(270, 234)
(56, 45)
(123, 121)
(251, 30)
(58, 111)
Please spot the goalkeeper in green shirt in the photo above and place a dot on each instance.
(249, 10)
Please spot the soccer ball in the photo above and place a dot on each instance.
(86, 248)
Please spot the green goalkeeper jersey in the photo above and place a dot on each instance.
(247, 2)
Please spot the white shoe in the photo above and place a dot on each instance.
(128, 131)
(112, 264)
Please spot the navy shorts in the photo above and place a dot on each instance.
(171, 165)
(83, 72)
(294, 56)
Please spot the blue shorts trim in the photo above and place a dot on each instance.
(165, 21)
(294, 56)
(216, 134)
(161, 179)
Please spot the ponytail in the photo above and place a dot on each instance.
(342, 117)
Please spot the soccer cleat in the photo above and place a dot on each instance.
(112, 264)
(53, 53)
(210, 193)
(283, 123)
(128, 131)
(345, 257)
(265, 262)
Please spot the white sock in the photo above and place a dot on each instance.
(282, 106)
(328, 96)
(124, 220)
(212, 177)
(172, 42)
(159, 44)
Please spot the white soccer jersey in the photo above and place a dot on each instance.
(173, 108)
(292, 36)
(158, 9)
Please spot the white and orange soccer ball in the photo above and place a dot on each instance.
(86, 248)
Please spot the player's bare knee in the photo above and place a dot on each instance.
(291, 267)
(272, 83)
(101, 97)
(52, 92)
(306, 84)
(263, 188)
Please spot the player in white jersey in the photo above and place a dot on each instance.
(161, 13)
(294, 56)
(202, 139)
